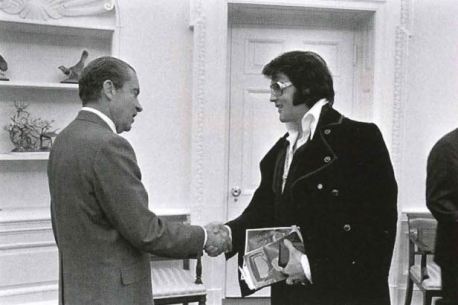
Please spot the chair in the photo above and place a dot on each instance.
(423, 271)
(175, 285)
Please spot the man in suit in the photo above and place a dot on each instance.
(99, 207)
(442, 201)
(331, 176)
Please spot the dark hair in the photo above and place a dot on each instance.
(307, 71)
(98, 71)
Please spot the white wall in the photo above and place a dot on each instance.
(155, 38)
(431, 107)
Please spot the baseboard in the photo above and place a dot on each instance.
(214, 296)
(31, 295)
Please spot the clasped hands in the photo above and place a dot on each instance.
(218, 239)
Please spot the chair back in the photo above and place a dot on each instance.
(423, 271)
(422, 230)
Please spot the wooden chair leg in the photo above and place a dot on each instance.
(409, 290)
(203, 300)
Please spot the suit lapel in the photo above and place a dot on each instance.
(316, 154)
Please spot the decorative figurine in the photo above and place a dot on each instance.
(74, 72)
(28, 134)
(3, 68)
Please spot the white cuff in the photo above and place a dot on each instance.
(230, 231)
(205, 236)
(306, 267)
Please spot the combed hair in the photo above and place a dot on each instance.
(97, 72)
(307, 71)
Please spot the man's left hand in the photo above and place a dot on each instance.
(294, 269)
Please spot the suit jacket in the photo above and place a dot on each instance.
(342, 193)
(442, 196)
(101, 222)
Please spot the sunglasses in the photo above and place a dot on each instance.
(276, 89)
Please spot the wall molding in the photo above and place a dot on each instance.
(50, 9)
(198, 24)
(403, 36)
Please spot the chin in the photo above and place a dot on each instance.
(283, 120)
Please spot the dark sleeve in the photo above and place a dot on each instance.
(380, 191)
(442, 182)
(259, 212)
(124, 200)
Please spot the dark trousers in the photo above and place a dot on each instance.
(449, 284)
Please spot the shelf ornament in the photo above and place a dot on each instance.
(29, 134)
(73, 73)
(55, 9)
(3, 68)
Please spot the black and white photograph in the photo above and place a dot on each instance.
(143, 141)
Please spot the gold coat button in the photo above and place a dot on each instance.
(327, 159)
(319, 186)
(327, 131)
(335, 192)
(347, 227)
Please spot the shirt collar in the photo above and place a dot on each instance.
(101, 115)
(313, 114)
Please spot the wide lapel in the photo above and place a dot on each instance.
(277, 180)
(317, 154)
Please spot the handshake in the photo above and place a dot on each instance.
(218, 239)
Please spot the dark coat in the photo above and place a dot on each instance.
(101, 221)
(342, 192)
(442, 196)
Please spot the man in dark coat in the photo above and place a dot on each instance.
(442, 201)
(331, 176)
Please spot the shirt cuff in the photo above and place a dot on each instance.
(230, 231)
(306, 267)
(205, 236)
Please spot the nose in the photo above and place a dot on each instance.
(273, 98)
(138, 107)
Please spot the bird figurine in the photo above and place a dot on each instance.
(3, 68)
(73, 73)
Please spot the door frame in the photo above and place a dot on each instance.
(209, 21)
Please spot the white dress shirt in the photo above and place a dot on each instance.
(102, 116)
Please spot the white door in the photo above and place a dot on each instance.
(254, 125)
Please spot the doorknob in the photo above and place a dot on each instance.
(236, 191)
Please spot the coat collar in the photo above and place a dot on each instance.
(329, 116)
(318, 154)
(92, 117)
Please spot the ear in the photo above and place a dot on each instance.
(108, 89)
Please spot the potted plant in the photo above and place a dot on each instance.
(29, 134)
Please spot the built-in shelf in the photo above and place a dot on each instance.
(56, 28)
(37, 85)
(24, 156)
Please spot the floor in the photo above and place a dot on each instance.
(247, 301)
(416, 300)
